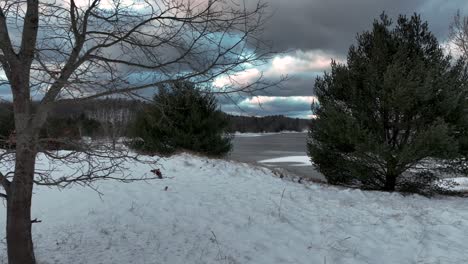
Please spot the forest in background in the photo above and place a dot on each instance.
(112, 117)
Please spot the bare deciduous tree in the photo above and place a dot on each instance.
(63, 51)
(459, 34)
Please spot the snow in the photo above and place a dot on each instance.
(216, 211)
(300, 160)
(459, 184)
(248, 134)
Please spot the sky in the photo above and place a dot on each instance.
(312, 32)
(308, 34)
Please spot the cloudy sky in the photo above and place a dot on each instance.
(308, 34)
(312, 32)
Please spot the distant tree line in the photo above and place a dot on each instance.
(110, 118)
(274, 123)
(107, 118)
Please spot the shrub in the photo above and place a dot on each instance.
(182, 117)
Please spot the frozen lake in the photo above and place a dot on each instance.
(286, 151)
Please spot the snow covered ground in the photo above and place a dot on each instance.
(216, 211)
(297, 160)
(460, 184)
(240, 134)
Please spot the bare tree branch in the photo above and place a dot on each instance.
(4, 182)
(177, 28)
(459, 34)
(70, 51)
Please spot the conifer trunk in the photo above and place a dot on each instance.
(390, 182)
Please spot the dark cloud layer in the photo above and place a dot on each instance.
(333, 24)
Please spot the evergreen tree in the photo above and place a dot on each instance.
(399, 101)
(182, 117)
(7, 123)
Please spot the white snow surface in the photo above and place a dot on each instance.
(249, 134)
(216, 211)
(299, 160)
(460, 184)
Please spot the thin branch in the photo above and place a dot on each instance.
(4, 182)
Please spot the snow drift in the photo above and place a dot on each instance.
(215, 211)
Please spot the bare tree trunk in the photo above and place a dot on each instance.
(18, 229)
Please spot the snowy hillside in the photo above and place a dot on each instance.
(222, 212)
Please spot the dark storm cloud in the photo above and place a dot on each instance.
(297, 85)
(333, 24)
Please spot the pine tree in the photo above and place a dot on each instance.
(398, 101)
(7, 123)
(182, 117)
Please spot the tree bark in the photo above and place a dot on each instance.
(390, 182)
(18, 229)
